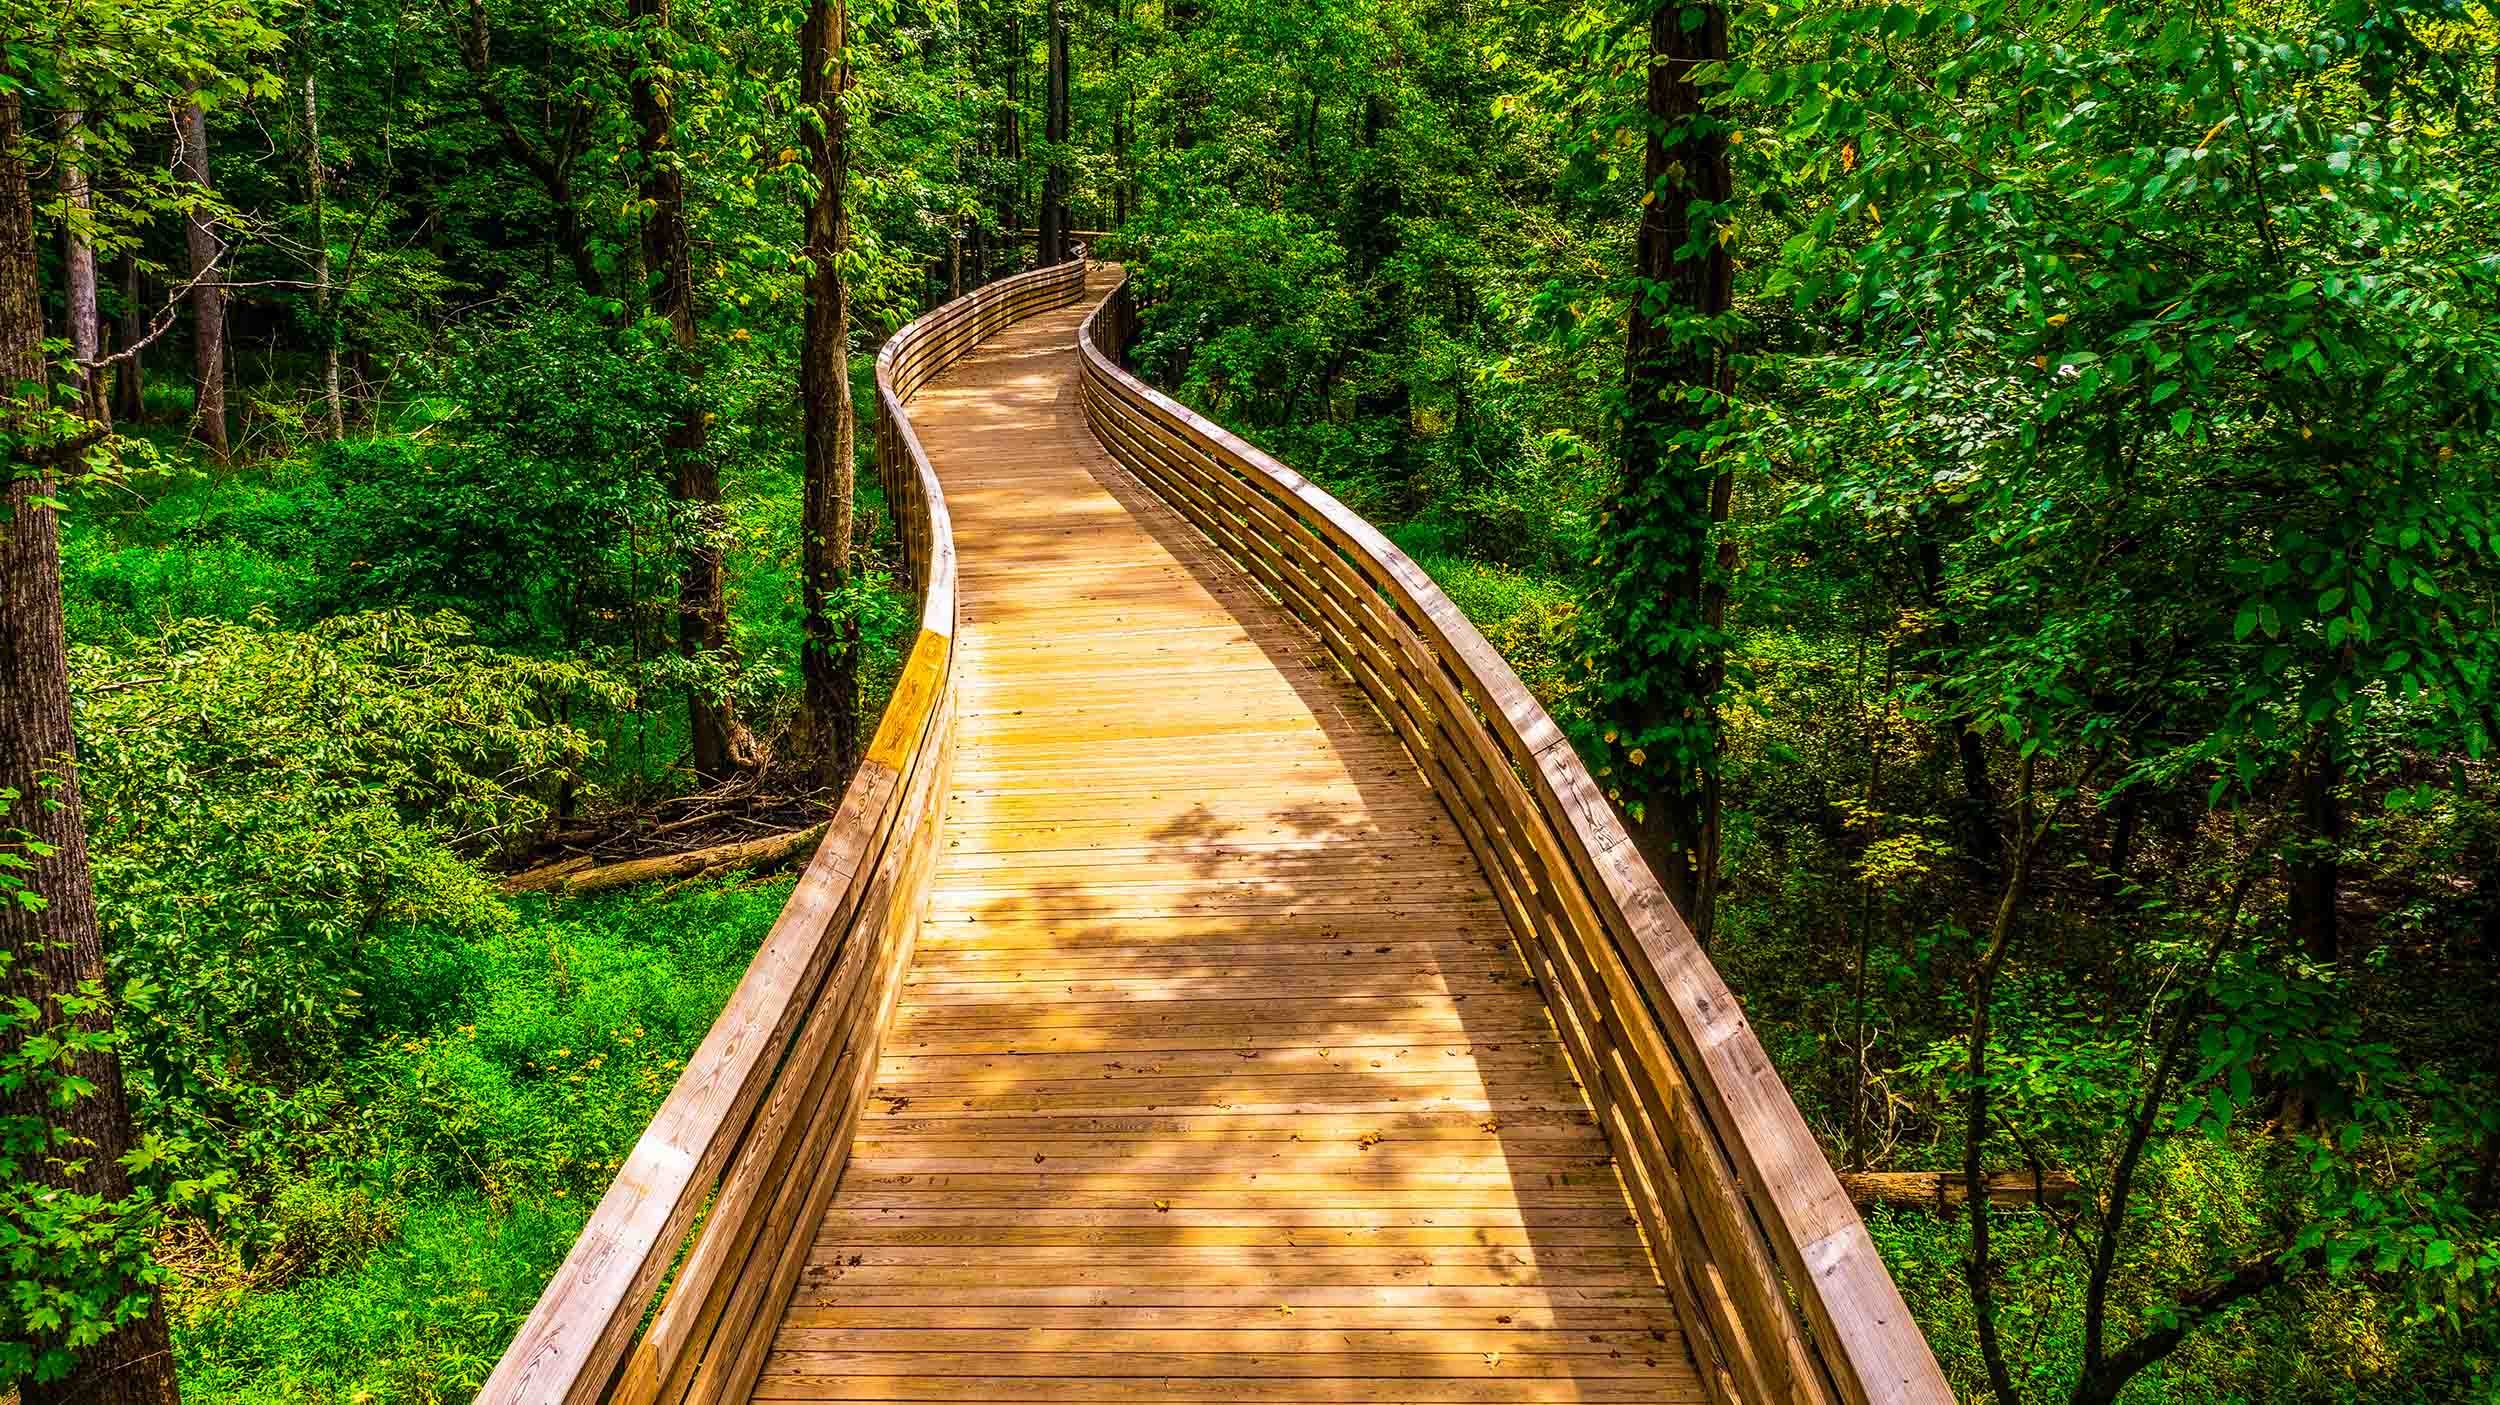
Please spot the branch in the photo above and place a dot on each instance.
(163, 321)
(2246, 1280)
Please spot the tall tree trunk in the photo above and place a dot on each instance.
(1054, 230)
(2316, 877)
(1189, 101)
(702, 607)
(1011, 130)
(1979, 1271)
(334, 409)
(57, 947)
(86, 326)
(129, 399)
(208, 294)
(1659, 617)
(827, 735)
(1121, 116)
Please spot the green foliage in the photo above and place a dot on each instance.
(282, 864)
(465, 1147)
(78, 1264)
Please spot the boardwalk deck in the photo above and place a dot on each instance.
(1216, 1076)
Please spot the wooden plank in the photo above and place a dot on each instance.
(1214, 1018)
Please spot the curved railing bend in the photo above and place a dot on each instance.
(1779, 1289)
(730, 1178)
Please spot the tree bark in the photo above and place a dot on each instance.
(86, 326)
(1659, 522)
(827, 734)
(1011, 129)
(333, 406)
(208, 294)
(129, 388)
(579, 875)
(702, 604)
(58, 947)
(1054, 231)
(1942, 1191)
(1980, 1269)
(2316, 877)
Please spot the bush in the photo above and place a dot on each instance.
(282, 863)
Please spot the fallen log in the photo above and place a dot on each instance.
(1944, 1190)
(577, 875)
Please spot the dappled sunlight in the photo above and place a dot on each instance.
(1216, 1075)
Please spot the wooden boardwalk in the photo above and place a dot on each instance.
(1216, 1076)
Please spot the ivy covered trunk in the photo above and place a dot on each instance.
(828, 725)
(55, 1134)
(1654, 607)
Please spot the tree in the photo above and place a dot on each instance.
(1658, 607)
(317, 233)
(2172, 322)
(81, 1322)
(828, 724)
(86, 329)
(208, 278)
(552, 157)
(719, 744)
(1055, 244)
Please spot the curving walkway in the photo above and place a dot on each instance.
(1216, 1076)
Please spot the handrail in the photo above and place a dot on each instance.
(1778, 1286)
(752, 1139)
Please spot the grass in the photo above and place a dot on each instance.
(477, 1144)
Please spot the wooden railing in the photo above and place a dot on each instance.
(1779, 1289)
(726, 1184)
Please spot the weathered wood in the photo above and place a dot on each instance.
(577, 875)
(1945, 1190)
(1725, 1173)
(1213, 1005)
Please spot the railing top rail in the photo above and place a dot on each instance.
(1872, 1348)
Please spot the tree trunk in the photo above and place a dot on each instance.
(702, 607)
(1122, 115)
(553, 167)
(827, 735)
(129, 398)
(208, 294)
(1011, 130)
(1054, 230)
(2316, 878)
(1665, 670)
(58, 947)
(333, 407)
(86, 326)
(1189, 100)
(1979, 1271)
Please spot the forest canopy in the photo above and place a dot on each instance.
(2001, 493)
